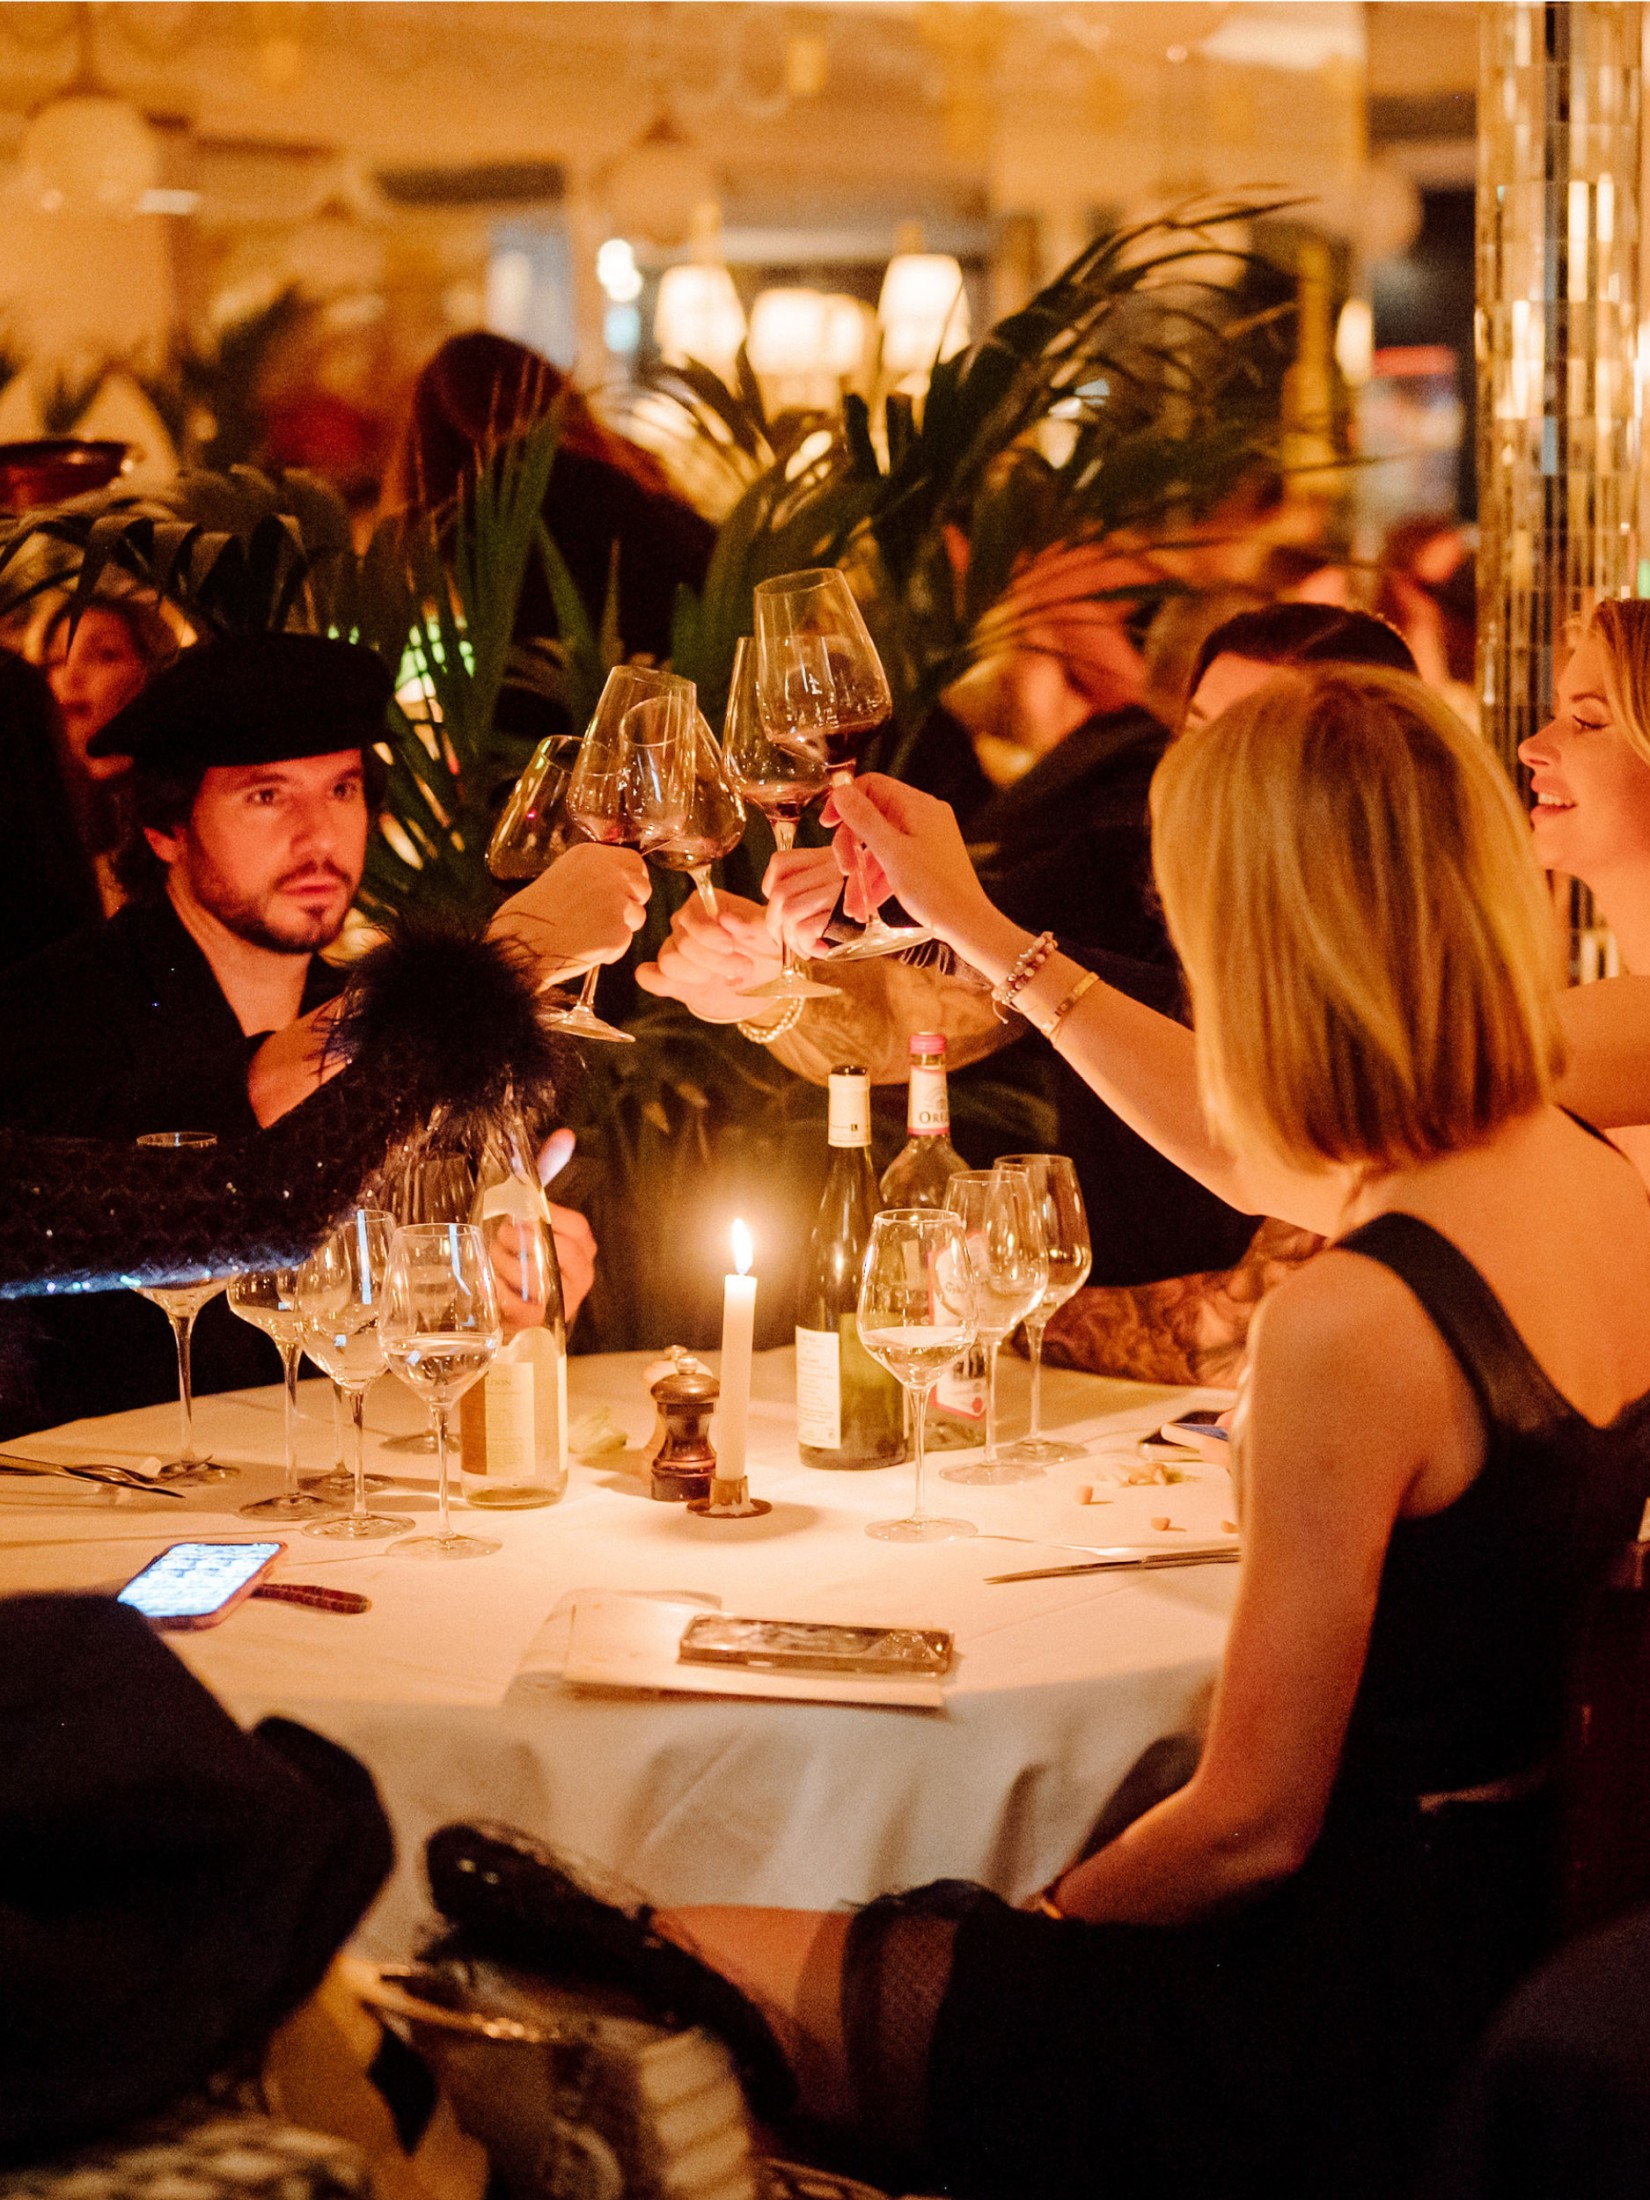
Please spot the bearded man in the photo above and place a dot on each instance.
(199, 1006)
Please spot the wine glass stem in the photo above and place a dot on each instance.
(587, 991)
(1034, 1344)
(290, 1356)
(340, 1461)
(919, 1430)
(991, 1401)
(784, 834)
(358, 1420)
(182, 1330)
(444, 1524)
(707, 892)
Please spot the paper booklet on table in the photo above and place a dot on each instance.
(619, 1641)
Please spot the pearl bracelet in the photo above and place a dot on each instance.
(1038, 953)
(764, 1035)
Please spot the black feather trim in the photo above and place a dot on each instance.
(435, 1026)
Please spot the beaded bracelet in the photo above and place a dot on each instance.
(764, 1035)
(1038, 953)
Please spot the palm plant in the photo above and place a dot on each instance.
(245, 551)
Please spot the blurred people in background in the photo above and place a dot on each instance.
(1428, 590)
(47, 886)
(607, 497)
(97, 663)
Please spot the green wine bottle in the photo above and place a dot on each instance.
(849, 1411)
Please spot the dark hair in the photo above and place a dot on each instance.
(1304, 634)
(163, 801)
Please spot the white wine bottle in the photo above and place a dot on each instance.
(513, 1424)
(849, 1411)
(917, 1177)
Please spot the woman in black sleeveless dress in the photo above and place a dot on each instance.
(1265, 1984)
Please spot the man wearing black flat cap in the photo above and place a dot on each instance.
(253, 785)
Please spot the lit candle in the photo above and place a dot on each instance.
(738, 1324)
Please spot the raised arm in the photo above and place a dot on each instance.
(1142, 1064)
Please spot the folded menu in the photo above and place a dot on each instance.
(619, 1641)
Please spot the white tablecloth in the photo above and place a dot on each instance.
(450, 1691)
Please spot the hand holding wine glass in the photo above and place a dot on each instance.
(1008, 1262)
(781, 783)
(1059, 1198)
(823, 694)
(630, 785)
(917, 1318)
(441, 1332)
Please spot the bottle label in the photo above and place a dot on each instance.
(512, 1436)
(961, 1390)
(850, 1117)
(819, 1389)
(930, 1108)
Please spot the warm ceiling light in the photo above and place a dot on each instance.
(699, 316)
(662, 187)
(923, 312)
(89, 153)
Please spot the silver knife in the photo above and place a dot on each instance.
(1116, 1560)
(107, 1478)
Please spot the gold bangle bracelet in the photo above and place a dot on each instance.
(1050, 1029)
(1045, 1905)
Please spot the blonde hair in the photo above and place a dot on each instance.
(1623, 631)
(1348, 880)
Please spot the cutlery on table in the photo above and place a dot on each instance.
(106, 1476)
(1124, 1557)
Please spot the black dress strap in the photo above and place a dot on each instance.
(1512, 1390)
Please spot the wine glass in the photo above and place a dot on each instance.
(268, 1299)
(180, 1302)
(533, 827)
(1008, 1262)
(1059, 1197)
(341, 1294)
(441, 1332)
(629, 787)
(781, 783)
(715, 821)
(916, 1317)
(823, 692)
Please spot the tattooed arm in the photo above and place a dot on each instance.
(1186, 1329)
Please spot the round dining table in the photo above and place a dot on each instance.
(456, 1689)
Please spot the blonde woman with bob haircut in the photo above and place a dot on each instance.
(1266, 1982)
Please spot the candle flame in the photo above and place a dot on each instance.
(742, 1249)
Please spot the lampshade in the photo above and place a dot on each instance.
(922, 312)
(662, 187)
(788, 329)
(846, 337)
(699, 316)
(89, 154)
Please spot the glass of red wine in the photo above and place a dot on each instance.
(715, 821)
(631, 785)
(781, 783)
(823, 693)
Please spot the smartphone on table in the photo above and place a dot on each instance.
(197, 1584)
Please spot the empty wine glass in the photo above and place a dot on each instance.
(781, 783)
(823, 692)
(714, 823)
(1059, 1197)
(441, 1332)
(916, 1317)
(341, 1293)
(533, 827)
(180, 1302)
(629, 787)
(268, 1299)
(1008, 1262)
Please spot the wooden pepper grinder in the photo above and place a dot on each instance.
(684, 1459)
